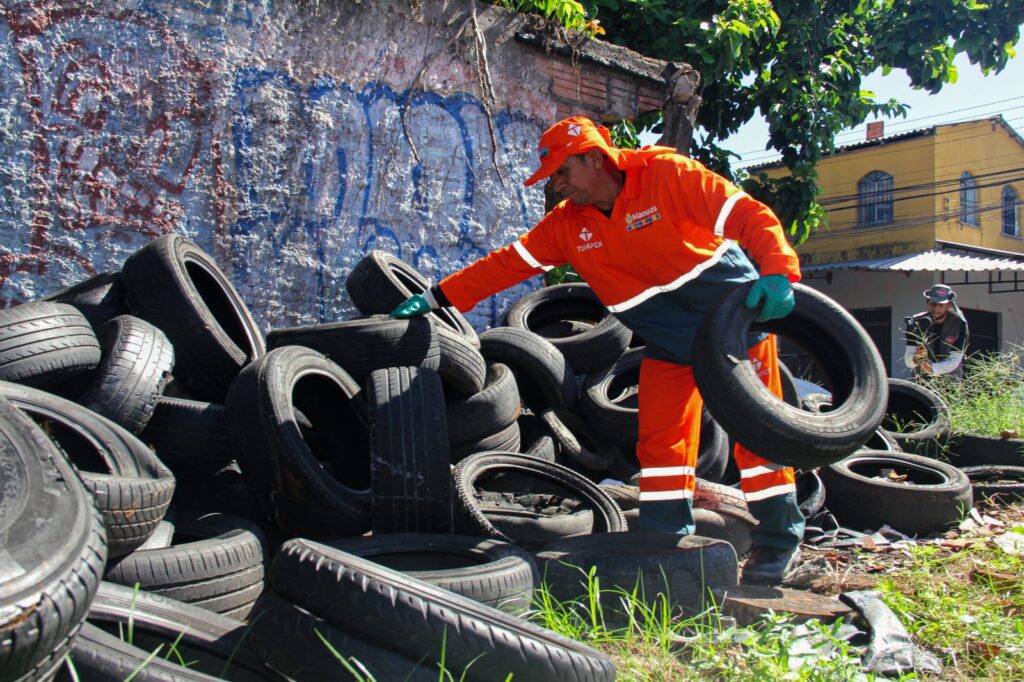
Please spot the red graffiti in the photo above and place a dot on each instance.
(116, 119)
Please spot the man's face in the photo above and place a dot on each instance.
(577, 179)
(937, 310)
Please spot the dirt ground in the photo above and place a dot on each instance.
(863, 562)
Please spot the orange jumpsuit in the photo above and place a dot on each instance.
(659, 262)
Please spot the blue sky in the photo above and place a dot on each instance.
(972, 96)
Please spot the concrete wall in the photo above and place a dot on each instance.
(271, 134)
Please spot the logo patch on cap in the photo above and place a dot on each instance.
(544, 151)
(574, 130)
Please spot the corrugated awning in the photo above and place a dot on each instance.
(942, 259)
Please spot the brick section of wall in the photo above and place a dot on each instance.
(597, 91)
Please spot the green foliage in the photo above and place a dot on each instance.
(976, 624)
(800, 64)
(990, 397)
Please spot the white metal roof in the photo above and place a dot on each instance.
(941, 259)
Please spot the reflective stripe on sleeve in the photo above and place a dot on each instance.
(770, 492)
(528, 257)
(726, 210)
(675, 284)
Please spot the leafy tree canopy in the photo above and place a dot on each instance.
(799, 63)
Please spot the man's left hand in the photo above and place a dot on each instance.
(777, 294)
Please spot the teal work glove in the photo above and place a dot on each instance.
(777, 295)
(414, 306)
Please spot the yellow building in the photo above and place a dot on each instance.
(939, 204)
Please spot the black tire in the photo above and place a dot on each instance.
(507, 439)
(225, 491)
(189, 436)
(561, 495)
(968, 450)
(595, 347)
(215, 563)
(608, 399)
(137, 359)
(810, 493)
(211, 643)
(172, 283)
(933, 497)
(488, 411)
(790, 392)
(682, 568)
(713, 453)
(491, 572)
(363, 345)
(131, 486)
(99, 298)
(463, 368)
(722, 499)
(544, 378)
(422, 621)
(303, 646)
(53, 547)
(46, 344)
(999, 484)
(409, 461)
(535, 439)
(916, 418)
(313, 482)
(577, 442)
(764, 424)
(719, 526)
(380, 282)
(98, 656)
(882, 440)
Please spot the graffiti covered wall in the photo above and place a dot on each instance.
(285, 138)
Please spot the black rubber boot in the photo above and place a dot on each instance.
(767, 565)
(776, 537)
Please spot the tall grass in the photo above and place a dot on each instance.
(989, 399)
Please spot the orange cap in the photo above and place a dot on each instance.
(573, 135)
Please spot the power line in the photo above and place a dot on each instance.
(934, 194)
(920, 219)
(926, 185)
(885, 150)
(907, 121)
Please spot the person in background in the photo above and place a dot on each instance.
(658, 238)
(937, 338)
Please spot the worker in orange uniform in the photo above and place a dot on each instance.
(655, 235)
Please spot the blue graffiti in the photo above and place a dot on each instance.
(328, 169)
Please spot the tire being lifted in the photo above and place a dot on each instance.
(759, 420)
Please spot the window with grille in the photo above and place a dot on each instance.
(874, 199)
(969, 200)
(1011, 226)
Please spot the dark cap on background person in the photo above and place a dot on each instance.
(940, 293)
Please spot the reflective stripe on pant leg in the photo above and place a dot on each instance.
(769, 488)
(669, 415)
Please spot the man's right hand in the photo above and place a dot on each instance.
(414, 306)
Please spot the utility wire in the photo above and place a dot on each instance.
(884, 150)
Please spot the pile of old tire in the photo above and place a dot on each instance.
(370, 496)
